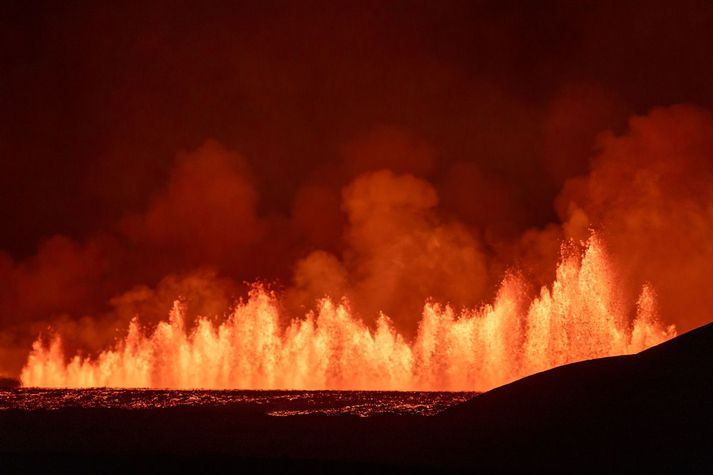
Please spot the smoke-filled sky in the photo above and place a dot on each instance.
(384, 151)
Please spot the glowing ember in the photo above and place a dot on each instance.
(578, 318)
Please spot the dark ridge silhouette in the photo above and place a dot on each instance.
(653, 410)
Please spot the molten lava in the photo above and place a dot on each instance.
(579, 317)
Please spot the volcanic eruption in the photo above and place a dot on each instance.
(355, 161)
(578, 317)
(406, 298)
(405, 234)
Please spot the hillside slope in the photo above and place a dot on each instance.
(652, 409)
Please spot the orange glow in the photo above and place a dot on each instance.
(578, 317)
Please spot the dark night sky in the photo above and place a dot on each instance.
(96, 100)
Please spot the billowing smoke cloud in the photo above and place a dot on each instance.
(206, 215)
(397, 253)
(650, 192)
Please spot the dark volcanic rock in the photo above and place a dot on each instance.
(653, 409)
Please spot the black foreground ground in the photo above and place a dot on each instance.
(653, 410)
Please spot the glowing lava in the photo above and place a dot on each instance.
(578, 318)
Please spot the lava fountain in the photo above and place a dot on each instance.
(578, 317)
